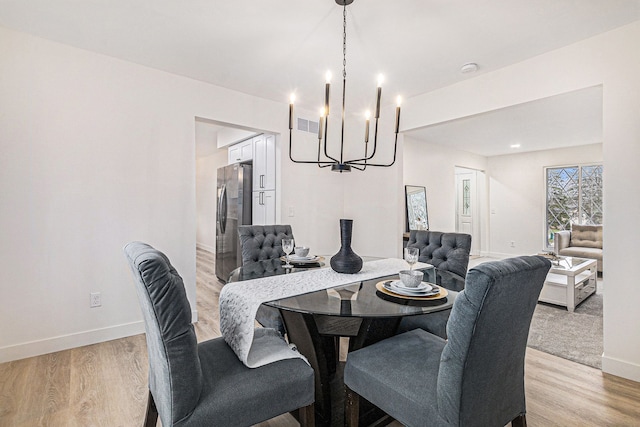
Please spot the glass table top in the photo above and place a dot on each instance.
(568, 262)
(358, 299)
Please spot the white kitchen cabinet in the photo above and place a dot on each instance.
(241, 152)
(263, 207)
(264, 162)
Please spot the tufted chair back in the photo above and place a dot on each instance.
(481, 372)
(175, 373)
(447, 251)
(260, 242)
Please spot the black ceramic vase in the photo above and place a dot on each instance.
(346, 261)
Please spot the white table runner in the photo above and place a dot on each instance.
(239, 303)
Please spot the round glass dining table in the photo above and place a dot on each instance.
(316, 321)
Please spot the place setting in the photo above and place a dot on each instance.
(410, 284)
(300, 256)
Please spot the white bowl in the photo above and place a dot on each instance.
(411, 278)
(301, 251)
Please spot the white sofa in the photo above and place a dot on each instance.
(584, 241)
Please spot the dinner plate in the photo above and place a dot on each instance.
(301, 260)
(429, 297)
(422, 287)
(407, 293)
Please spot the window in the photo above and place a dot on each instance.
(466, 197)
(574, 196)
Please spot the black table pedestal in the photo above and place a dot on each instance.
(316, 338)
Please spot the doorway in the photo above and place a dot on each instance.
(468, 216)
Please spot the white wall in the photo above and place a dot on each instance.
(311, 199)
(229, 136)
(434, 166)
(613, 61)
(96, 152)
(620, 59)
(373, 199)
(208, 159)
(517, 196)
(514, 195)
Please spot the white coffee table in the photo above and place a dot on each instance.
(569, 282)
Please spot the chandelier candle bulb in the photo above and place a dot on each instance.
(326, 93)
(366, 127)
(320, 124)
(398, 115)
(292, 98)
(379, 95)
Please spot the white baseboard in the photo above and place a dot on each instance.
(66, 342)
(499, 255)
(206, 247)
(621, 368)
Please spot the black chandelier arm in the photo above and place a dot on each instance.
(343, 165)
(353, 164)
(313, 162)
(366, 148)
(318, 162)
(375, 142)
(373, 153)
(363, 162)
(323, 165)
(326, 153)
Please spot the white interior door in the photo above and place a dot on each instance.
(467, 212)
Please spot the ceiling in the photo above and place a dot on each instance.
(270, 48)
(566, 120)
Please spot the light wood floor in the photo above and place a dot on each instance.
(105, 384)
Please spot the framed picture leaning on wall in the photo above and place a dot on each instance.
(416, 208)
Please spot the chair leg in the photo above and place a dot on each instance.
(519, 421)
(307, 416)
(351, 408)
(151, 417)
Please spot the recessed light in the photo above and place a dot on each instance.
(515, 146)
(470, 67)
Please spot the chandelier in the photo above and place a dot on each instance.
(339, 164)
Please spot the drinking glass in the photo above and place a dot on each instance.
(411, 256)
(287, 247)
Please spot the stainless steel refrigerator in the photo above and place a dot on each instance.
(234, 209)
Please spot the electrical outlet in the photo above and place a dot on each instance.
(95, 300)
(292, 211)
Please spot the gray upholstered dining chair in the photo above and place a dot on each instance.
(447, 252)
(205, 384)
(476, 378)
(259, 243)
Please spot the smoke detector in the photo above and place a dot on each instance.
(470, 67)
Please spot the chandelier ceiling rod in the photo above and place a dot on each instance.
(341, 165)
